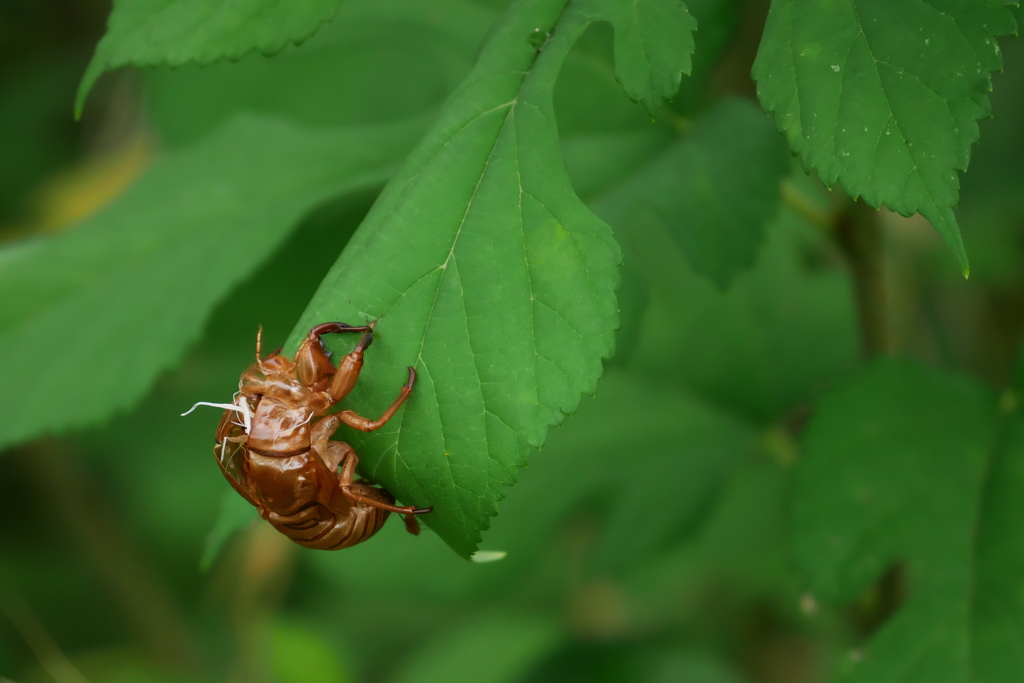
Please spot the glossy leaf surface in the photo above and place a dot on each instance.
(884, 96)
(488, 275)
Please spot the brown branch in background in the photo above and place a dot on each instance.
(260, 585)
(144, 600)
(859, 235)
(38, 638)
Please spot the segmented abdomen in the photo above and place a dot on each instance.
(318, 527)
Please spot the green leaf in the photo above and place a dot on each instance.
(598, 162)
(588, 458)
(498, 648)
(653, 44)
(488, 275)
(991, 206)
(743, 540)
(716, 21)
(420, 50)
(234, 515)
(998, 607)
(272, 295)
(676, 471)
(692, 669)
(677, 463)
(100, 309)
(714, 190)
(884, 96)
(176, 32)
(300, 654)
(907, 463)
(781, 330)
(605, 136)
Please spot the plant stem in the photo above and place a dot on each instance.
(860, 238)
(797, 201)
(859, 235)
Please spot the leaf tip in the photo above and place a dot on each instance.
(92, 73)
(485, 556)
(80, 102)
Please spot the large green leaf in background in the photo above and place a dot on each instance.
(907, 463)
(774, 337)
(678, 462)
(884, 96)
(493, 648)
(421, 50)
(487, 274)
(714, 190)
(303, 655)
(175, 32)
(218, 178)
(677, 466)
(108, 304)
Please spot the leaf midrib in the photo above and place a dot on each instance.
(525, 74)
(916, 170)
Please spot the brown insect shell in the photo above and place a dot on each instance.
(230, 453)
(285, 472)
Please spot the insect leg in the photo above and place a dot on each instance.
(312, 361)
(407, 510)
(348, 471)
(348, 370)
(411, 525)
(334, 453)
(363, 424)
(336, 328)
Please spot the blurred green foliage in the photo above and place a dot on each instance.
(744, 500)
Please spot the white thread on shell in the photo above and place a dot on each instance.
(243, 409)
